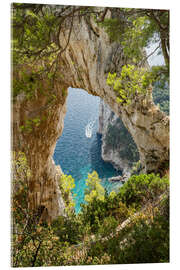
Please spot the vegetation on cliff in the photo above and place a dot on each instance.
(161, 96)
(107, 230)
(130, 226)
(117, 136)
(36, 42)
(140, 28)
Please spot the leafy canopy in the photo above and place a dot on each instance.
(66, 184)
(131, 82)
(94, 188)
(136, 29)
(68, 240)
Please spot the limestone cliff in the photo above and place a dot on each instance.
(118, 147)
(37, 120)
(37, 124)
(88, 59)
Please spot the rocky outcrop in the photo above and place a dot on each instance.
(89, 58)
(111, 140)
(85, 64)
(37, 123)
(118, 178)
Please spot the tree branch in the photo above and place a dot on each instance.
(149, 55)
(35, 255)
(103, 15)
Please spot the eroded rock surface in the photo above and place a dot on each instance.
(114, 145)
(89, 58)
(84, 64)
(37, 124)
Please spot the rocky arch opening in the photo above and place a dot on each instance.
(84, 64)
(147, 125)
(75, 152)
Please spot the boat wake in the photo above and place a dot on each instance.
(89, 129)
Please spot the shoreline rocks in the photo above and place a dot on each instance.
(119, 178)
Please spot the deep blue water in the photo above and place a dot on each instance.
(75, 153)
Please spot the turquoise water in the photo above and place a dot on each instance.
(75, 153)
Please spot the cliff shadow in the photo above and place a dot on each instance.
(104, 169)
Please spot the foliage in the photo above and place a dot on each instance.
(132, 81)
(68, 229)
(20, 178)
(37, 246)
(34, 242)
(94, 189)
(108, 226)
(34, 48)
(30, 81)
(161, 96)
(32, 33)
(143, 188)
(31, 240)
(149, 240)
(136, 169)
(136, 31)
(140, 28)
(144, 239)
(94, 214)
(30, 124)
(66, 184)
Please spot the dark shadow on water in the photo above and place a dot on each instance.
(104, 169)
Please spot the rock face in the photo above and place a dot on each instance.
(84, 64)
(37, 139)
(110, 127)
(89, 58)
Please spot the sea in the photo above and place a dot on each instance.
(78, 154)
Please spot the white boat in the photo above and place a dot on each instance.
(89, 129)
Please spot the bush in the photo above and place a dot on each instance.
(96, 212)
(144, 240)
(66, 184)
(108, 226)
(94, 188)
(68, 229)
(142, 188)
(149, 241)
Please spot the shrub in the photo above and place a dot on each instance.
(66, 184)
(68, 229)
(142, 188)
(96, 212)
(94, 189)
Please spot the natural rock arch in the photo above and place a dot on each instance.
(84, 64)
(89, 57)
